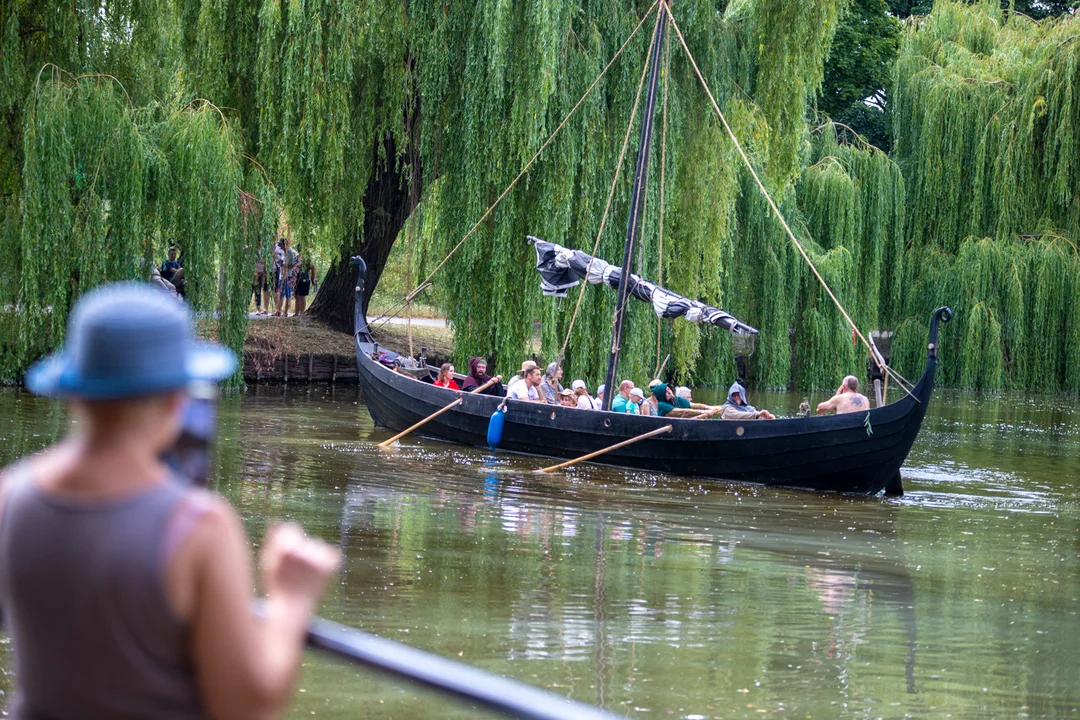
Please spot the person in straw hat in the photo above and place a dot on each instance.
(126, 590)
(527, 386)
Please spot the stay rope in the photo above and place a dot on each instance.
(610, 197)
(663, 174)
(776, 210)
(547, 142)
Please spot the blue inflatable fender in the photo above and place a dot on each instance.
(495, 427)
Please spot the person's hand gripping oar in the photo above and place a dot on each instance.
(385, 444)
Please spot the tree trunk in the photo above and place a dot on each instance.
(393, 191)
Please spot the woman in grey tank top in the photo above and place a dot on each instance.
(127, 593)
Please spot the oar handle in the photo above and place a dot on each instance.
(616, 446)
(485, 386)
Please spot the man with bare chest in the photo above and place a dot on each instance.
(847, 398)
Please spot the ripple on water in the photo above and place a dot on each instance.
(949, 484)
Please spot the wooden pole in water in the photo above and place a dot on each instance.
(387, 443)
(616, 446)
(877, 392)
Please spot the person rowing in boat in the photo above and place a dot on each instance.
(847, 399)
(736, 407)
(637, 396)
(585, 401)
(666, 400)
(478, 376)
(127, 591)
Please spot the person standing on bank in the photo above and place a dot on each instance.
(145, 608)
(290, 262)
(305, 278)
(259, 285)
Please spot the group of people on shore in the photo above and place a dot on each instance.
(294, 277)
(533, 385)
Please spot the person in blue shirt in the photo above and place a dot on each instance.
(170, 266)
(621, 402)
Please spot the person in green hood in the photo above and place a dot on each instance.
(666, 401)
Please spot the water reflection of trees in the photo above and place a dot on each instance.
(635, 591)
(615, 602)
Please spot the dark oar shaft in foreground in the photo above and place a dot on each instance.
(508, 697)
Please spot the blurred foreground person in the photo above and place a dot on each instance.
(127, 591)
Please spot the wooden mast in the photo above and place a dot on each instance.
(636, 202)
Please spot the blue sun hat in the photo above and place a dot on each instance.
(126, 340)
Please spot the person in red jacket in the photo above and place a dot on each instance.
(446, 377)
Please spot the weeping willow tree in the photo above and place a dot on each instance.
(985, 121)
(103, 184)
(337, 107)
(763, 59)
(108, 158)
(357, 115)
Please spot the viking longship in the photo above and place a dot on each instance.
(859, 452)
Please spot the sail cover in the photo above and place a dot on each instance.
(561, 269)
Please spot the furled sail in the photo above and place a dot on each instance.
(561, 269)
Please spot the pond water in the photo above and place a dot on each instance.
(660, 596)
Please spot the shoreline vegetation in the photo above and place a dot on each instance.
(110, 153)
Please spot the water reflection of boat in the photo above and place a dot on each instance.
(856, 452)
(596, 579)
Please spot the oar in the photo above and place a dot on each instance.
(707, 413)
(616, 446)
(387, 443)
(662, 366)
(509, 697)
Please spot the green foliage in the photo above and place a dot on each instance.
(765, 64)
(793, 40)
(977, 206)
(858, 70)
(1035, 9)
(984, 119)
(104, 187)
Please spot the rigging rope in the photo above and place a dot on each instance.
(663, 174)
(610, 197)
(772, 203)
(547, 142)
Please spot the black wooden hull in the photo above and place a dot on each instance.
(838, 453)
